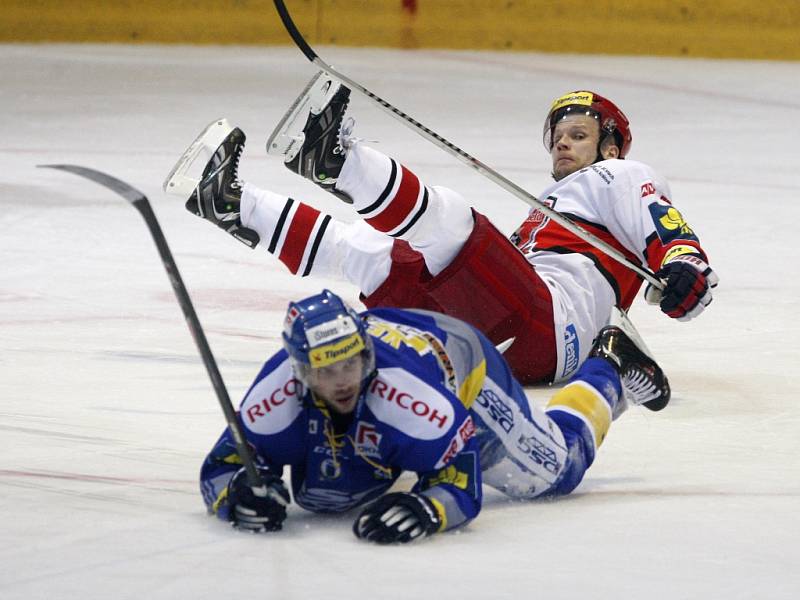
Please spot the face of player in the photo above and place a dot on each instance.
(339, 384)
(574, 147)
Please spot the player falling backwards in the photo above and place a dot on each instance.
(422, 246)
(353, 400)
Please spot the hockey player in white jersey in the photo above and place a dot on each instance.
(421, 246)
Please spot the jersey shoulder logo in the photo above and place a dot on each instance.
(648, 189)
(273, 403)
(410, 405)
(398, 335)
(669, 223)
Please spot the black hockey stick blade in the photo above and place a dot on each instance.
(125, 190)
(142, 204)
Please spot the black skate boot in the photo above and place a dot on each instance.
(316, 151)
(643, 381)
(219, 192)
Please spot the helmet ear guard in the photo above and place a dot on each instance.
(322, 330)
(610, 118)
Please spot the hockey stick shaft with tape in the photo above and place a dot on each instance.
(454, 150)
(142, 204)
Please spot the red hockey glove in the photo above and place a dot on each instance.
(688, 282)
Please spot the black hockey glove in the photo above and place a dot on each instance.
(399, 517)
(688, 282)
(255, 513)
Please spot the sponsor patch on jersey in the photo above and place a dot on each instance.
(669, 223)
(410, 405)
(367, 439)
(571, 350)
(456, 445)
(273, 403)
(538, 451)
(497, 410)
(332, 330)
(333, 353)
(648, 189)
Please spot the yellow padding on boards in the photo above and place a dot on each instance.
(768, 29)
(586, 403)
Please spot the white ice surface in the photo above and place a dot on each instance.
(107, 411)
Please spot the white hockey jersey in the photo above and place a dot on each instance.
(627, 205)
(623, 202)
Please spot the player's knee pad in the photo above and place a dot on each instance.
(490, 285)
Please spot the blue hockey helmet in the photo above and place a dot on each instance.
(322, 330)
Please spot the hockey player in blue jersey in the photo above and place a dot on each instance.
(353, 400)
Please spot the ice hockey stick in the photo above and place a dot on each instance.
(142, 204)
(454, 150)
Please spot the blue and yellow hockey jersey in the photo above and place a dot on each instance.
(413, 415)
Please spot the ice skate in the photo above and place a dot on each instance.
(643, 381)
(217, 194)
(186, 174)
(310, 136)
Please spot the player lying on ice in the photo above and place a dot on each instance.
(418, 246)
(353, 400)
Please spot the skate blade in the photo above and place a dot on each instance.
(287, 138)
(505, 345)
(619, 318)
(185, 175)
